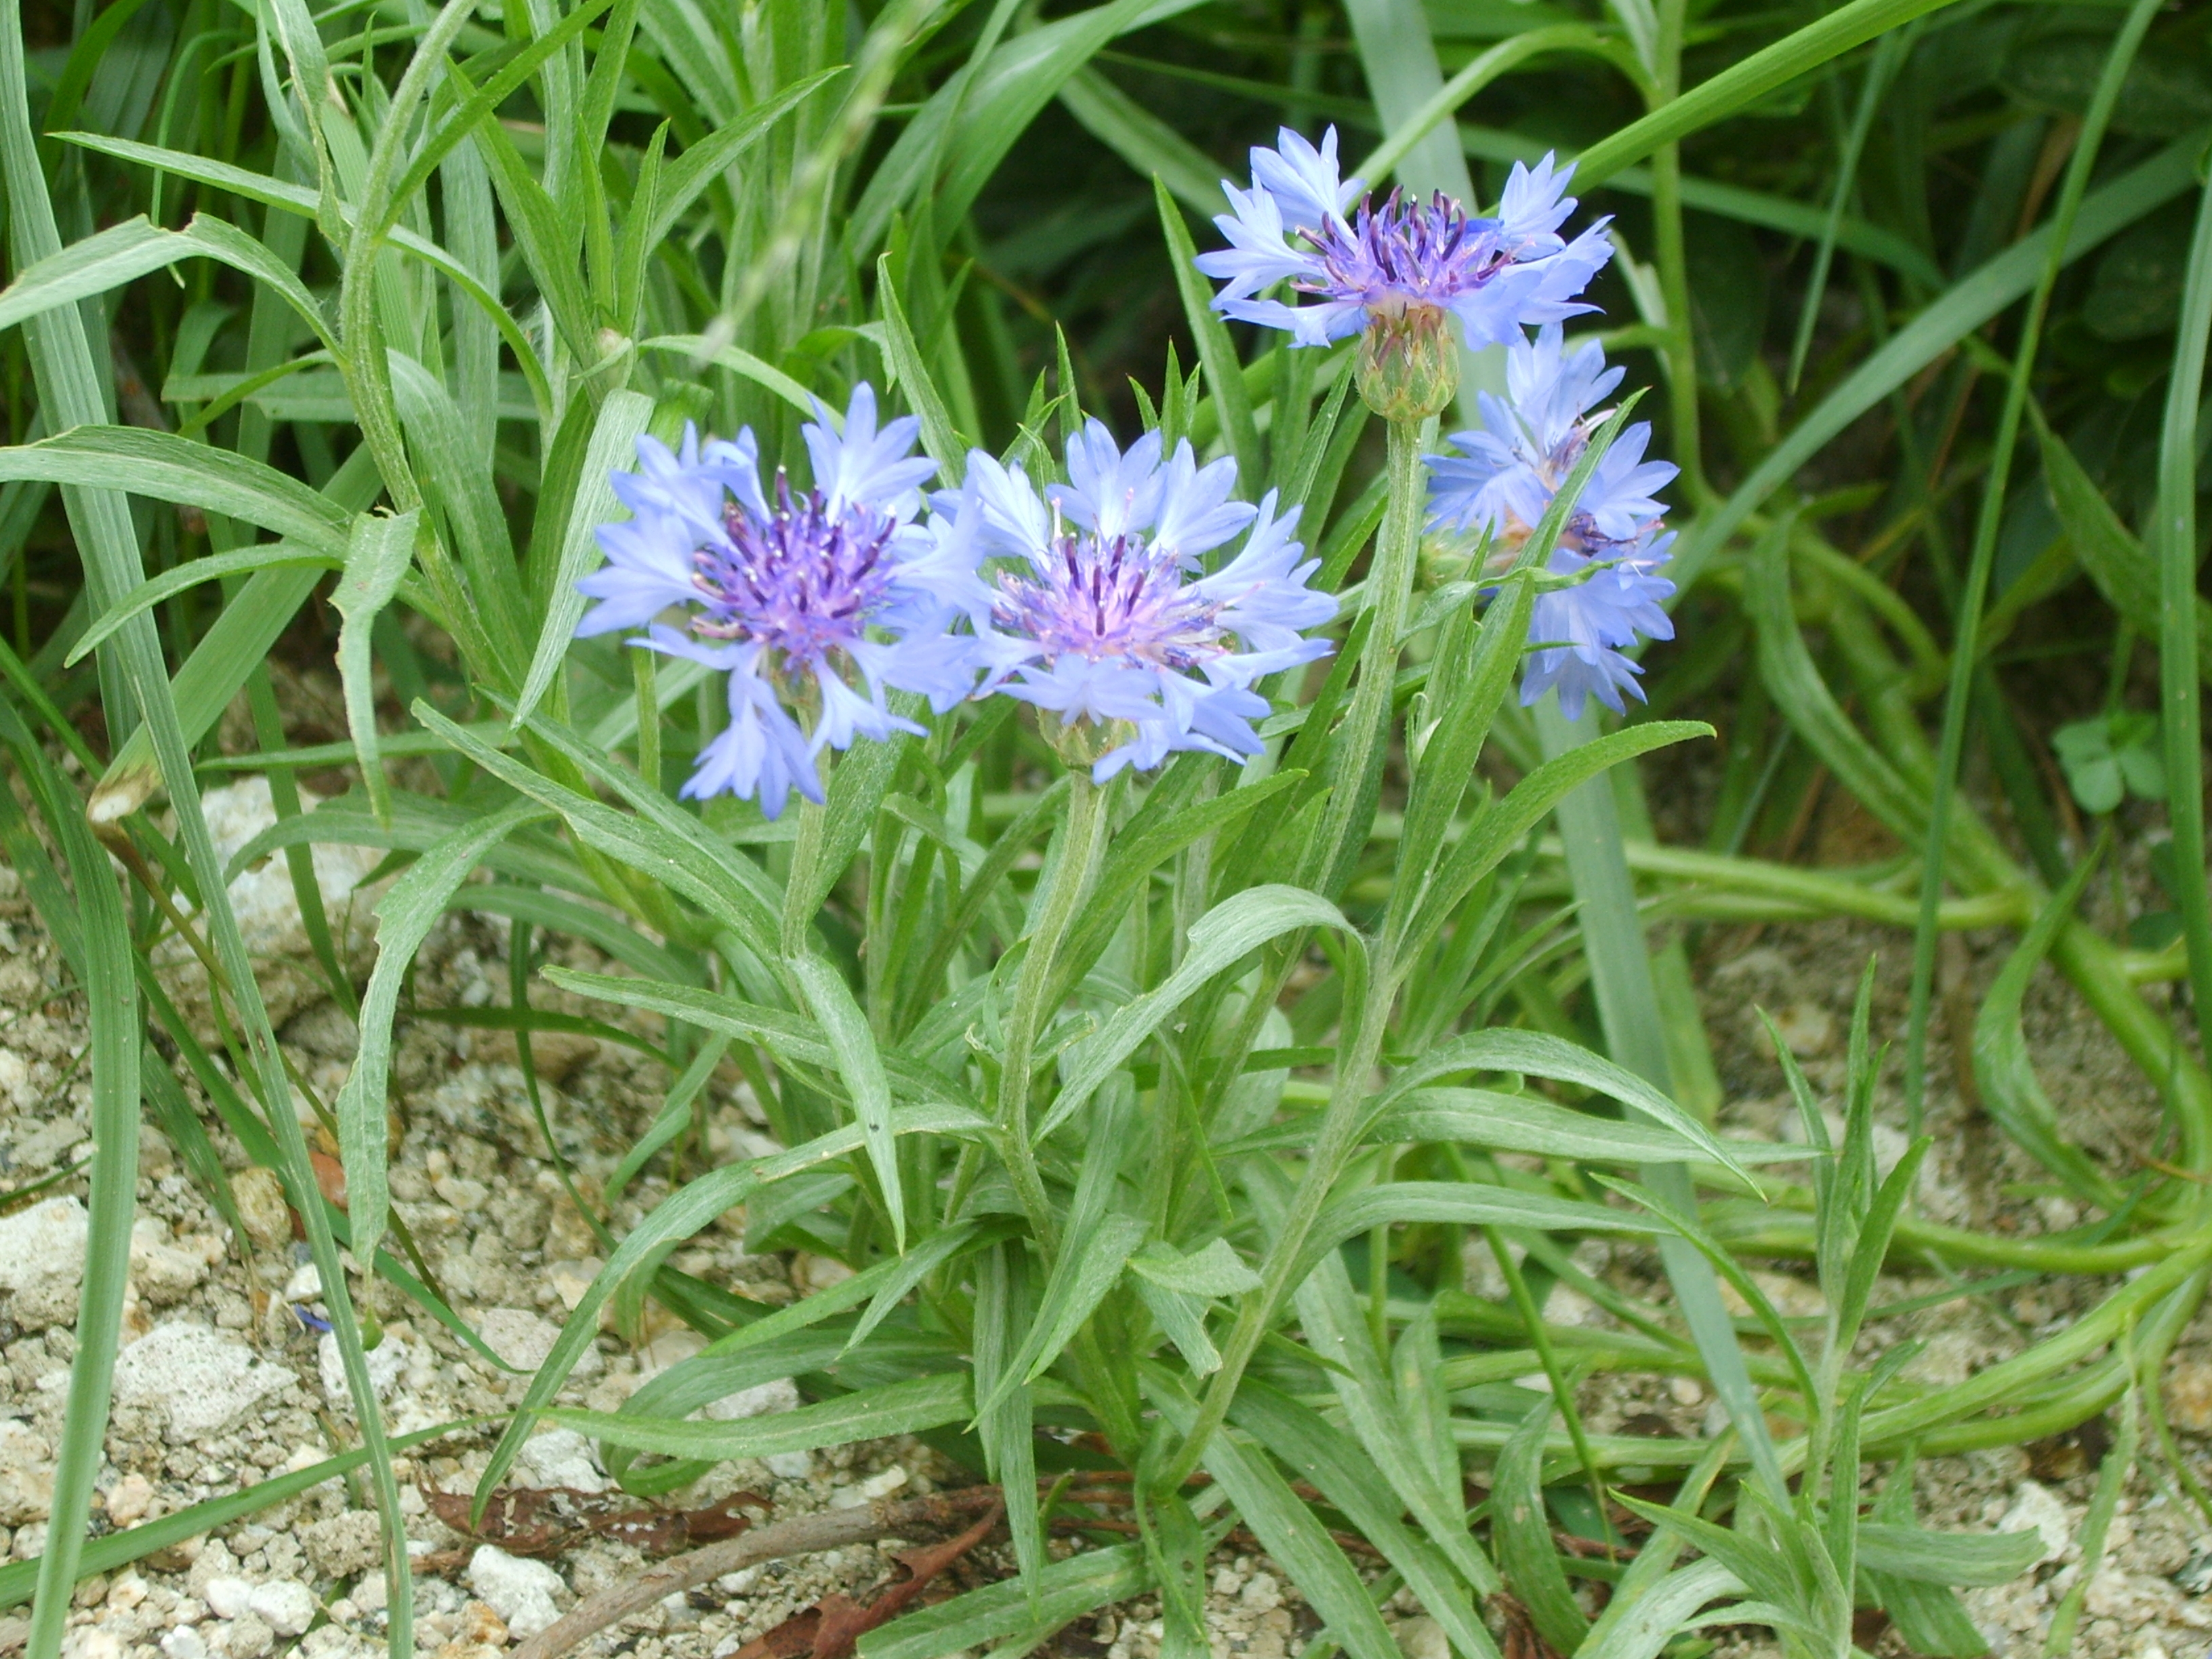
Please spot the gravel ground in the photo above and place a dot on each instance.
(224, 1382)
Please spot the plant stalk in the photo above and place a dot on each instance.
(1390, 586)
(1082, 840)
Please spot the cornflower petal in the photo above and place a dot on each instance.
(1107, 491)
(865, 467)
(1195, 513)
(1302, 180)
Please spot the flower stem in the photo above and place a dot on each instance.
(1365, 740)
(1343, 832)
(1069, 879)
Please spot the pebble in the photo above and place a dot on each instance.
(2036, 1505)
(41, 1261)
(2188, 1396)
(523, 1340)
(226, 1598)
(519, 1591)
(763, 1401)
(247, 1637)
(27, 1477)
(206, 1381)
(185, 1642)
(262, 1207)
(132, 1497)
(162, 1270)
(387, 1362)
(345, 1544)
(561, 1457)
(1423, 1638)
(286, 1603)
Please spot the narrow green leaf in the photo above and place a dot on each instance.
(1011, 1613)
(377, 556)
(1746, 82)
(941, 439)
(1233, 928)
(1289, 1531)
(157, 590)
(1523, 1533)
(1463, 1204)
(1152, 148)
(846, 1027)
(1948, 1557)
(1333, 1462)
(404, 917)
(925, 1402)
(614, 440)
(1216, 1270)
(1538, 1054)
(1499, 827)
(1087, 1269)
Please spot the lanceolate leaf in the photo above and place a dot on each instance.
(377, 556)
(405, 918)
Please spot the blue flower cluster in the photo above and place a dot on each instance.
(1499, 277)
(1098, 608)
(1504, 480)
(1092, 598)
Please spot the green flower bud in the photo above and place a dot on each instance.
(1408, 362)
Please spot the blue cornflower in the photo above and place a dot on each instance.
(1405, 257)
(1108, 622)
(792, 596)
(1504, 480)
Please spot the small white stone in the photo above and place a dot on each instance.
(286, 1603)
(763, 1400)
(183, 1643)
(524, 1340)
(305, 1284)
(206, 1381)
(162, 1271)
(1423, 1638)
(92, 1644)
(2037, 1506)
(41, 1261)
(226, 1598)
(670, 1348)
(387, 1361)
(561, 1457)
(519, 1591)
(27, 1475)
(790, 1466)
(883, 1483)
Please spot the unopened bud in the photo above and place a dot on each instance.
(1408, 362)
(1082, 743)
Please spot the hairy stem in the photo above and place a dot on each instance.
(1070, 876)
(1389, 588)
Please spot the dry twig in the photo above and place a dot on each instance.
(804, 1534)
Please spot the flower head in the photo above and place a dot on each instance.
(1107, 620)
(794, 596)
(1506, 477)
(1399, 267)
